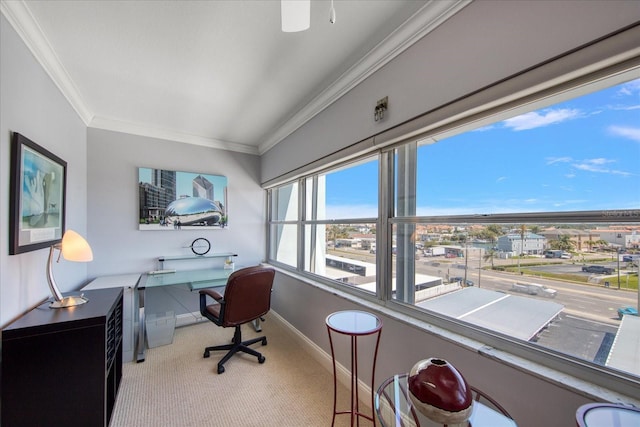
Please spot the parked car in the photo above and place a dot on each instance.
(599, 269)
(627, 311)
(461, 280)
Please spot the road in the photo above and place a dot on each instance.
(585, 328)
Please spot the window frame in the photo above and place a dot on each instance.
(491, 343)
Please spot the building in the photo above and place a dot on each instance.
(528, 244)
(582, 240)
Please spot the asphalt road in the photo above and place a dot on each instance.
(585, 328)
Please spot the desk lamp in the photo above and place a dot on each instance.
(73, 247)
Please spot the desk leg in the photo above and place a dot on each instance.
(141, 338)
(256, 325)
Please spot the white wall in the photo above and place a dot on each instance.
(482, 44)
(32, 105)
(112, 177)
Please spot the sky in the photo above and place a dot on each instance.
(580, 154)
(184, 182)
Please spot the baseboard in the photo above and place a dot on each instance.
(322, 357)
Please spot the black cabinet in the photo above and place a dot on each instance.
(62, 367)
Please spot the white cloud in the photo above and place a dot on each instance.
(597, 166)
(552, 160)
(502, 178)
(626, 132)
(536, 119)
(630, 88)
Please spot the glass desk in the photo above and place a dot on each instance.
(195, 279)
(354, 324)
(394, 408)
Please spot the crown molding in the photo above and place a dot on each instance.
(21, 19)
(425, 20)
(169, 135)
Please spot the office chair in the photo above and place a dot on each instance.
(247, 297)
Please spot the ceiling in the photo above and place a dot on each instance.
(214, 73)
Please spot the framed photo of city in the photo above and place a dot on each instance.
(37, 196)
(173, 200)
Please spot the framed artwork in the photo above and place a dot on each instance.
(173, 200)
(37, 196)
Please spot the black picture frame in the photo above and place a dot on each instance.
(37, 196)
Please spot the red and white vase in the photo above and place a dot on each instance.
(440, 392)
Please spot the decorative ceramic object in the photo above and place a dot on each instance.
(440, 392)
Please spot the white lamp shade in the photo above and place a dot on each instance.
(296, 15)
(75, 248)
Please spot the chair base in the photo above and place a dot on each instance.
(236, 345)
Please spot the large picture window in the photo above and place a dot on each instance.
(523, 228)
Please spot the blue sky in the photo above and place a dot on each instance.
(581, 154)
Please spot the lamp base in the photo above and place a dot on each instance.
(69, 301)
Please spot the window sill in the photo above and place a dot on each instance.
(560, 379)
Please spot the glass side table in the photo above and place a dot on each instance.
(607, 415)
(394, 408)
(354, 324)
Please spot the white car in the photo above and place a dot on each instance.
(534, 289)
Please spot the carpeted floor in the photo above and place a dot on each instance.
(176, 386)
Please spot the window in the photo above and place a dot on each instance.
(521, 229)
(283, 228)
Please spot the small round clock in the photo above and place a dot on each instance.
(200, 246)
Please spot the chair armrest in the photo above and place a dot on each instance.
(213, 294)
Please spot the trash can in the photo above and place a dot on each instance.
(160, 328)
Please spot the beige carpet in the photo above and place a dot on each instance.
(176, 386)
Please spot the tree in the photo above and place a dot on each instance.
(563, 242)
(489, 256)
(336, 232)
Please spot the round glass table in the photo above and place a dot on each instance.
(607, 415)
(353, 323)
(394, 408)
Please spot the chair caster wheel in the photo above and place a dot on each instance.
(261, 359)
(220, 369)
(264, 341)
(206, 354)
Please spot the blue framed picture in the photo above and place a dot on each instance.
(37, 196)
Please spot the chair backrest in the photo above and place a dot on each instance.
(247, 295)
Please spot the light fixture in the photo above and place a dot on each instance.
(73, 247)
(296, 15)
(332, 14)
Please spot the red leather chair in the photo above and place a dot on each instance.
(247, 297)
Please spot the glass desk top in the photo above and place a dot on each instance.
(196, 279)
(394, 408)
(353, 322)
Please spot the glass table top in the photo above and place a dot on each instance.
(196, 279)
(354, 322)
(395, 409)
(608, 415)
